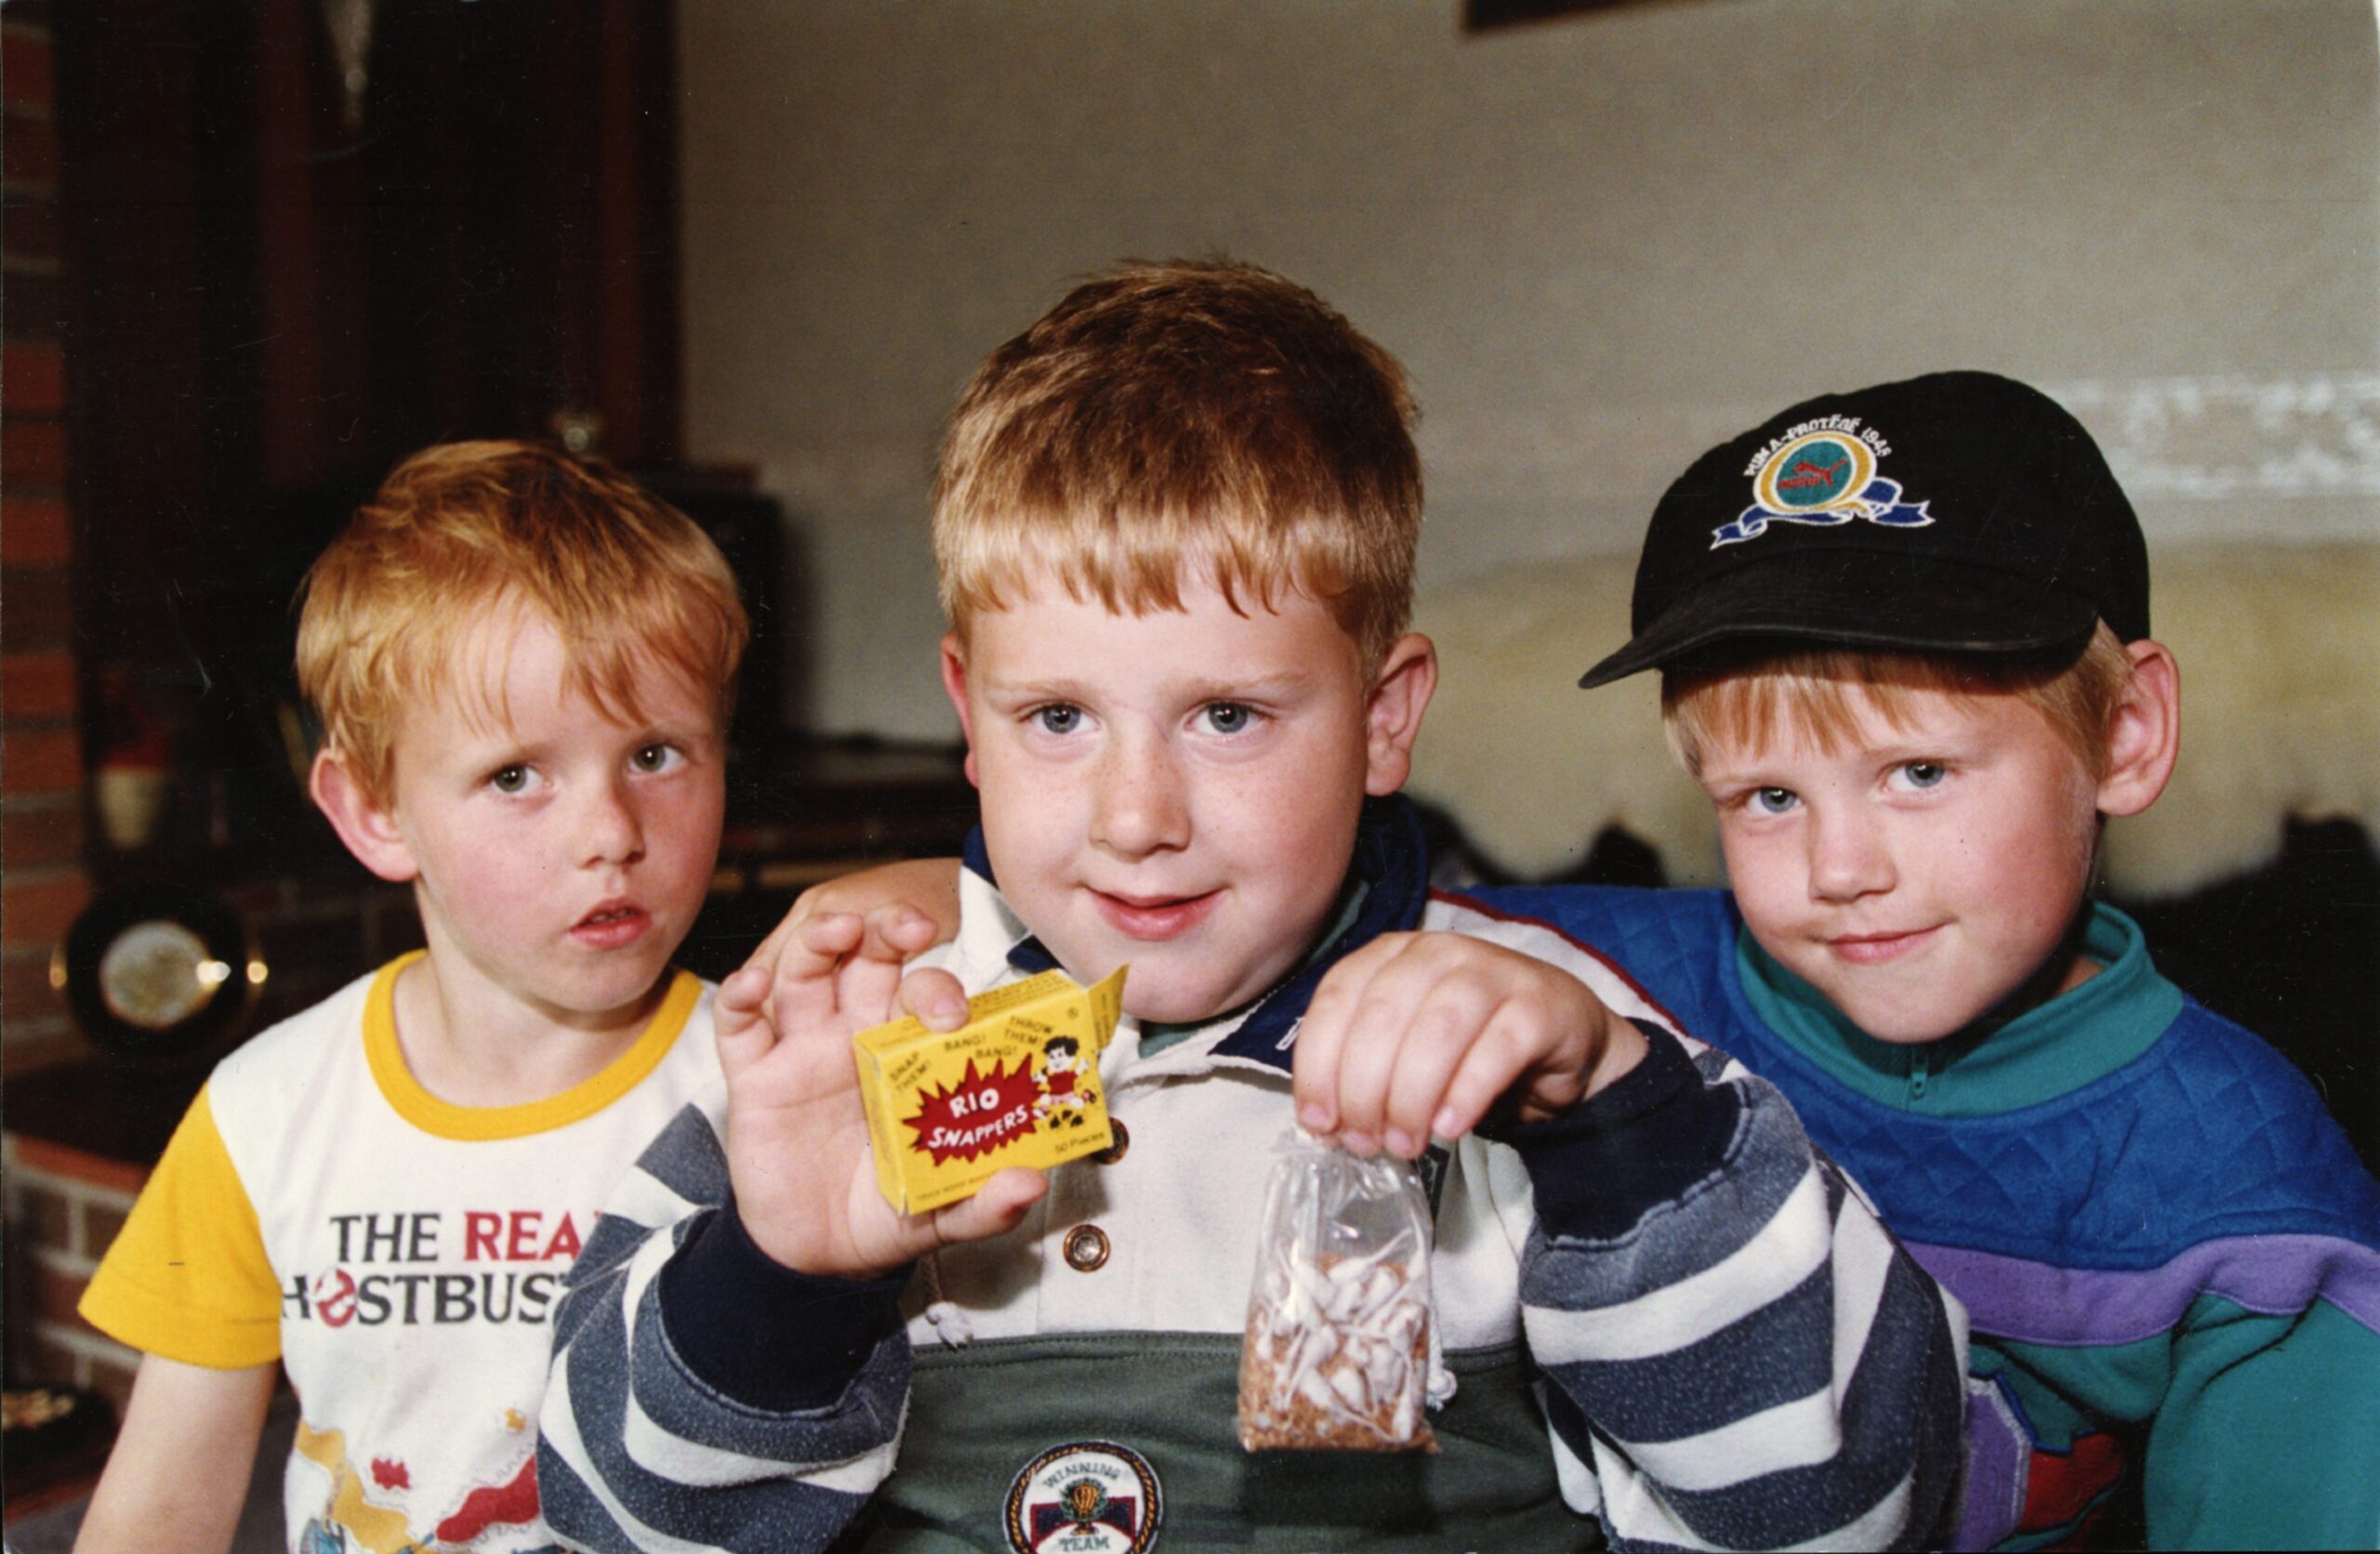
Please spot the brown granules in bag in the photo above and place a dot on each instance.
(1336, 1357)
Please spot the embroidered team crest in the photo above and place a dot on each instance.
(1824, 473)
(1092, 1497)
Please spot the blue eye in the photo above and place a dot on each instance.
(1924, 774)
(1772, 802)
(1058, 717)
(1229, 718)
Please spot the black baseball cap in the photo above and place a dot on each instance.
(1960, 512)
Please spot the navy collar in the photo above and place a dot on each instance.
(1392, 860)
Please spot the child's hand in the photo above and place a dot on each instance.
(1417, 1034)
(778, 982)
(797, 1139)
(927, 885)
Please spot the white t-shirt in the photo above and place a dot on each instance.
(399, 1254)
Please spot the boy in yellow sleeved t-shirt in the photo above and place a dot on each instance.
(523, 664)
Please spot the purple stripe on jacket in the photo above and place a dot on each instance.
(2038, 1303)
(1999, 1456)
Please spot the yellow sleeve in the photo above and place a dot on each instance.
(188, 1277)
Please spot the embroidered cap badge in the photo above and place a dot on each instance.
(1822, 477)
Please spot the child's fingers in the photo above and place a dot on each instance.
(801, 973)
(744, 995)
(1322, 1035)
(1403, 1032)
(897, 931)
(1615, 1048)
(1439, 1029)
(835, 898)
(739, 1016)
(1422, 1021)
(930, 885)
(1515, 1043)
(812, 950)
(935, 997)
(1550, 1045)
(1366, 1062)
(869, 976)
(1452, 1032)
(996, 1208)
(784, 954)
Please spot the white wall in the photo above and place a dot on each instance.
(1600, 243)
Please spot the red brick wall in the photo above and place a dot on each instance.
(42, 882)
(63, 1209)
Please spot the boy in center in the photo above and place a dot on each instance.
(1175, 525)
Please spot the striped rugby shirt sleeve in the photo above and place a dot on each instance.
(1739, 1354)
(640, 1448)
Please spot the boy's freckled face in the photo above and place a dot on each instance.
(1178, 790)
(562, 856)
(1917, 877)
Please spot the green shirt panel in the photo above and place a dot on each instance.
(978, 1415)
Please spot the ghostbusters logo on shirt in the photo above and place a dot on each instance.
(1085, 1498)
(416, 1269)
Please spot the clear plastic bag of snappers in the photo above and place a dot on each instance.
(1337, 1351)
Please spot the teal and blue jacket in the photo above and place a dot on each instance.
(2169, 1251)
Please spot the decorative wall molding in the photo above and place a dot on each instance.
(2228, 439)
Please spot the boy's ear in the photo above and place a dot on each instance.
(2145, 737)
(954, 685)
(369, 830)
(1400, 693)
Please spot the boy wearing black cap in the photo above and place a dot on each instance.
(1903, 635)
(1904, 640)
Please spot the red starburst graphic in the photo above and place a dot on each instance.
(391, 1474)
(977, 1115)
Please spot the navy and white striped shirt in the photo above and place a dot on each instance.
(1734, 1351)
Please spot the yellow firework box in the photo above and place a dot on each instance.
(1017, 1085)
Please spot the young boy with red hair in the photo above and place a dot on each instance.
(523, 664)
(1175, 525)
(1903, 637)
